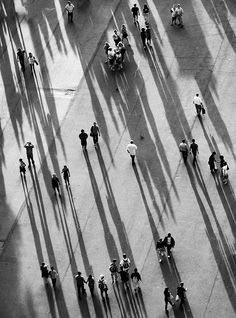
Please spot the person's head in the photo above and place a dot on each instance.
(135, 270)
(19, 49)
(43, 264)
(166, 289)
(20, 160)
(147, 24)
(114, 260)
(82, 130)
(65, 166)
(115, 31)
(181, 284)
(52, 268)
(213, 153)
(221, 157)
(123, 26)
(183, 140)
(79, 273)
(135, 5)
(30, 55)
(131, 141)
(142, 30)
(193, 140)
(29, 143)
(124, 255)
(102, 277)
(90, 276)
(94, 124)
(178, 5)
(69, 2)
(197, 94)
(145, 6)
(169, 235)
(160, 240)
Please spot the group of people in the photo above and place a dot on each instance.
(180, 296)
(145, 33)
(177, 15)
(21, 59)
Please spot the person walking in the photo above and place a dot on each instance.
(180, 294)
(95, 132)
(53, 275)
(44, 272)
(83, 138)
(116, 37)
(70, 10)
(146, 12)
(131, 149)
(21, 58)
(148, 34)
(136, 279)
(91, 283)
(55, 183)
(194, 150)
(135, 12)
(29, 152)
(125, 263)
(167, 298)
(113, 268)
(224, 170)
(124, 34)
(102, 285)
(66, 175)
(197, 101)
(32, 60)
(179, 15)
(106, 47)
(169, 242)
(122, 51)
(183, 148)
(173, 15)
(22, 167)
(80, 281)
(143, 37)
(124, 276)
(160, 247)
(212, 162)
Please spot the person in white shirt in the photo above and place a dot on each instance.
(131, 149)
(70, 8)
(53, 274)
(183, 148)
(198, 104)
(179, 15)
(32, 61)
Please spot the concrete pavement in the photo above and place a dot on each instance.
(111, 207)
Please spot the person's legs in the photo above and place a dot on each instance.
(54, 282)
(79, 291)
(194, 158)
(132, 157)
(168, 251)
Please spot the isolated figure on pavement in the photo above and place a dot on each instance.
(55, 183)
(29, 152)
(66, 175)
(70, 10)
(131, 149)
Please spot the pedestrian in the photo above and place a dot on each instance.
(116, 37)
(111, 59)
(53, 274)
(136, 279)
(148, 34)
(32, 60)
(124, 34)
(194, 150)
(95, 132)
(197, 101)
(91, 283)
(179, 15)
(212, 162)
(135, 12)
(22, 167)
(224, 170)
(131, 149)
(55, 183)
(106, 47)
(80, 281)
(102, 285)
(113, 268)
(173, 15)
(29, 152)
(167, 298)
(124, 276)
(160, 247)
(70, 9)
(83, 138)
(66, 175)
(169, 243)
(180, 294)
(125, 263)
(143, 37)
(146, 13)
(183, 148)
(44, 272)
(21, 58)
(122, 51)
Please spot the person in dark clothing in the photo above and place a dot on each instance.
(169, 243)
(83, 138)
(160, 247)
(66, 175)
(22, 167)
(21, 58)
(181, 293)
(143, 37)
(80, 281)
(55, 183)
(136, 279)
(167, 298)
(94, 132)
(124, 276)
(212, 161)
(148, 34)
(194, 151)
(44, 271)
(135, 12)
(91, 283)
(29, 152)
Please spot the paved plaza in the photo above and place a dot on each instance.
(112, 207)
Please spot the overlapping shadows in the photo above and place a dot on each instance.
(169, 269)
(221, 248)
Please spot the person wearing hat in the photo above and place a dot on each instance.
(125, 263)
(114, 271)
(55, 183)
(29, 152)
(80, 281)
(70, 8)
(94, 132)
(131, 149)
(102, 285)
